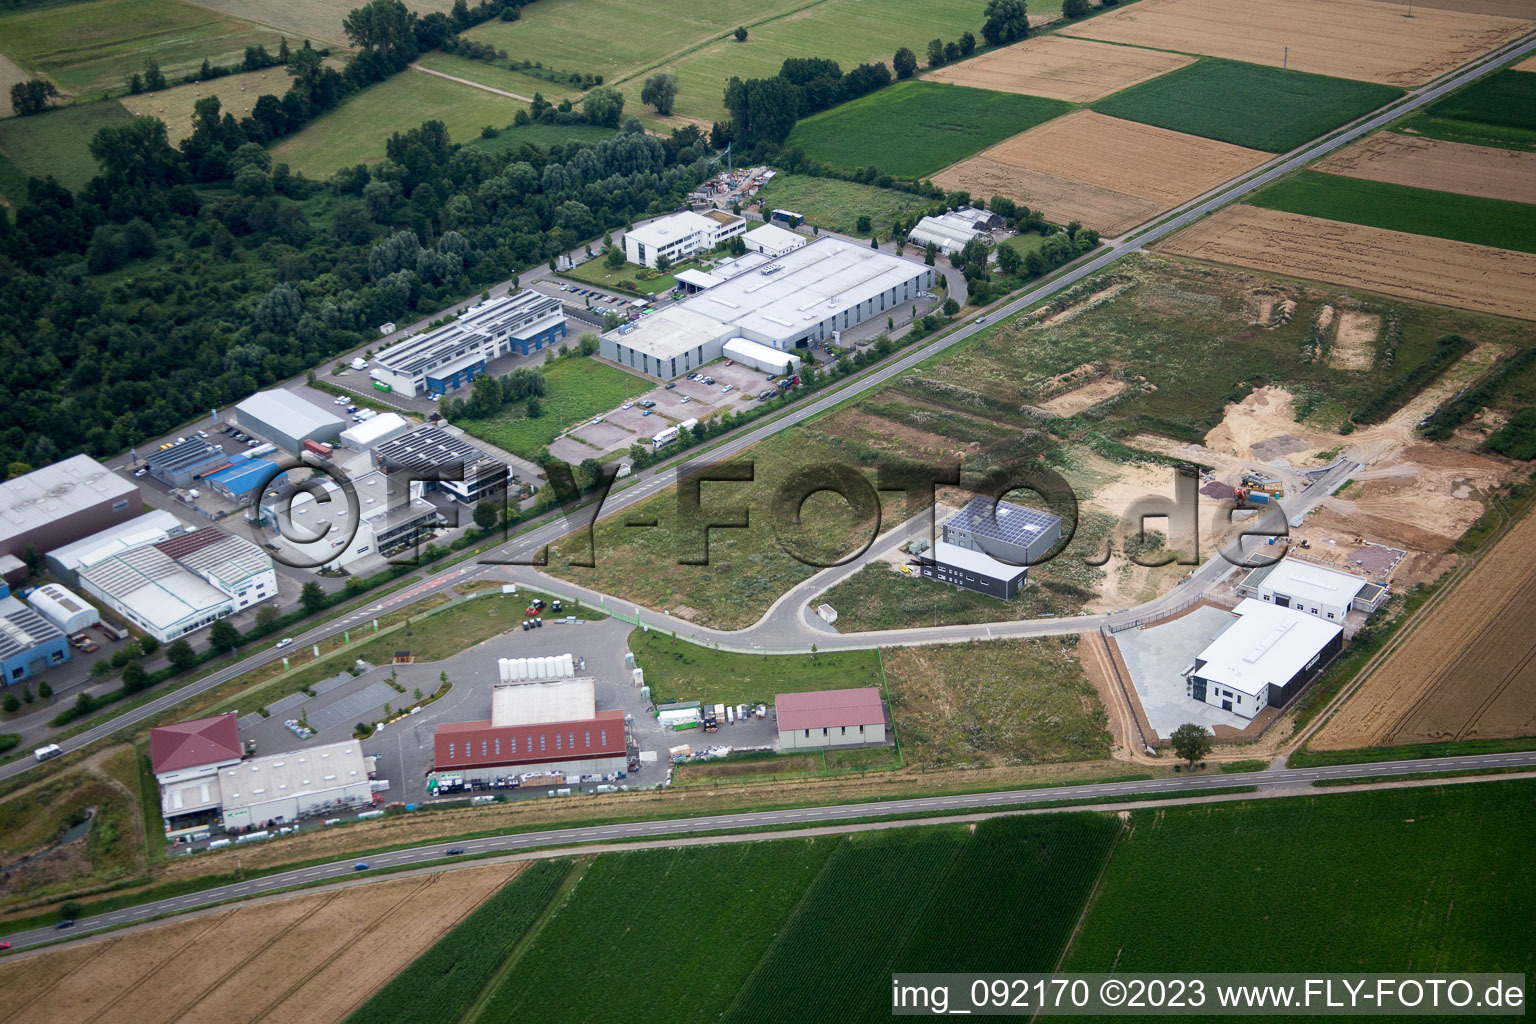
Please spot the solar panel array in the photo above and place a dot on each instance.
(1013, 524)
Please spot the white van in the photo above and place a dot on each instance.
(51, 750)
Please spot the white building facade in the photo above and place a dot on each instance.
(680, 236)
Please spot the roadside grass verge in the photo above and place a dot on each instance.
(680, 670)
(1308, 758)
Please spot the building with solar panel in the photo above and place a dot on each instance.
(988, 546)
(29, 643)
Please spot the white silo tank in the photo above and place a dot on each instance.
(568, 664)
(522, 668)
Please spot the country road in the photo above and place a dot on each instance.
(786, 631)
(1285, 779)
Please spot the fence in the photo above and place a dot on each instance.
(1118, 627)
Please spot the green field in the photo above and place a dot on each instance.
(577, 390)
(912, 129)
(319, 20)
(835, 205)
(1420, 211)
(1246, 104)
(90, 47)
(679, 670)
(597, 272)
(1396, 880)
(57, 142)
(498, 77)
(1499, 110)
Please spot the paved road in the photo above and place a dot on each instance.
(1177, 785)
(655, 481)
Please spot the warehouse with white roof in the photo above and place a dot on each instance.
(61, 503)
(285, 787)
(373, 432)
(287, 419)
(1263, 659)
(156, 525)
(807, 295)
(1319, 590)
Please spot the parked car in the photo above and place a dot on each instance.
(203, 434)
(647, 412)
(766, 395)
(709, 380)
(284, 642)
(627, 405)
(647, 404)
(671, 384)
(730, 362)
(252, 443)
(141, 471)
(727, 389)
(596, 420)
(687, 398)
(340, 400)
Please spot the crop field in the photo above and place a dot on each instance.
(1466, 670)
(577, 390)
(1496, 110)
(57, 143)
(912, 129)
(1109, 173)
(88, 47)
(994, 703)
(356, 131)
(835, 205)
(1419, 211)
(706, 913)
(1248, 104)
(1438, 165)
(319, 20)
(237, 96)
(1416, 267)
(1060, 67)
(678, 670)
(10, 75)
(499, 78)
(1356, 39)
(1435, 878)
(305, 958)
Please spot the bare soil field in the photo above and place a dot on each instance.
(1359, 39)
(1529, 64)
(1085, 397)
(1086, 155)
(1468, 669)
(309, 958)
(1417, 267)
(1445, 166)
(1497, 8)
(1061, 68)
(1354, 341)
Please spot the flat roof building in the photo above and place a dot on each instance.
(1319, 590)
(371, 433)
(536, 701)
(61, 503)
(830, 718)
(447, 358)
(808, 295)
(680, 236)
(186, 462)
(987, 546)
(156, 524)
(244, 480)
(388, 518)
(1263, 659)
(280, 788)
(434, 450)
(772, 240)
(29, 643)
(287, 419)
(761, 357)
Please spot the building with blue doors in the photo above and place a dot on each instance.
(452, 356)
(29, 643)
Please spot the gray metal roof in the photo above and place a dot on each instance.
(430, 447)
(22, 629)
(1014, 524)
(521, 314)
(288, 412)
(64, 488)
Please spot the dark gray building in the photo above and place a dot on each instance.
(988, 547)
(434, 450)
(59, 504)
(186, 462)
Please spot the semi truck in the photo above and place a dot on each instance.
(664, 438)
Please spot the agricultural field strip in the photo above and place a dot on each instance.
(431, 854)
(538, 537)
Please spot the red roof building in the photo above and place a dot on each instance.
(830, 718)
(463, 746)
(201, 743)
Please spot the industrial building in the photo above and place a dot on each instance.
(473, 474)
(773, 241)
(808, 295)
(175, 586)
(451, 356)
(369, 434)
(61, 503)
(155, 525)
(185, 462)
(540, 729)
(29, 643)
(680, 236)
(1319, 590)
(388, 519)
(948, 233)
(186, 759)
(830, 718)
(761, 357)
(988, 546)
(243, 480)
(69, 612)
(279, 788)
(287, 419)
(1263, 659)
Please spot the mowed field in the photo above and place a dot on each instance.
(1439, 165)
(1248, 104)
(1062, 68)
(237, 96)
(914, 128)
(89, 47)
(1108, 173)
(57, 142)
(1359, 39)
(309, 958)
(578, 390)
(319, 20)
(836, 205)
(1466, 671)
(1417, 267)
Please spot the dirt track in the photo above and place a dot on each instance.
(1360, 39)
(1065, 69)
(1467, 671)
(1445, 166)
(1416, 267)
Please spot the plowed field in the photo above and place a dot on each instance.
(1445, 166)
(301, 959)
(1108, 173)
(1416, 267)
(1468, 671)
(1061, 68)
(1359, 39)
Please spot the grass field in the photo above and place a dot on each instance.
(1496, 222)
(1396, 880)
(576, 389)
(56, 143)
(319, 20)
(835, 205)
(89, 47)
(679, 670)
(597, 272)
(912, 129)
(498, 77)
(1499, 110)
(1247, 104)
(237, 96)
